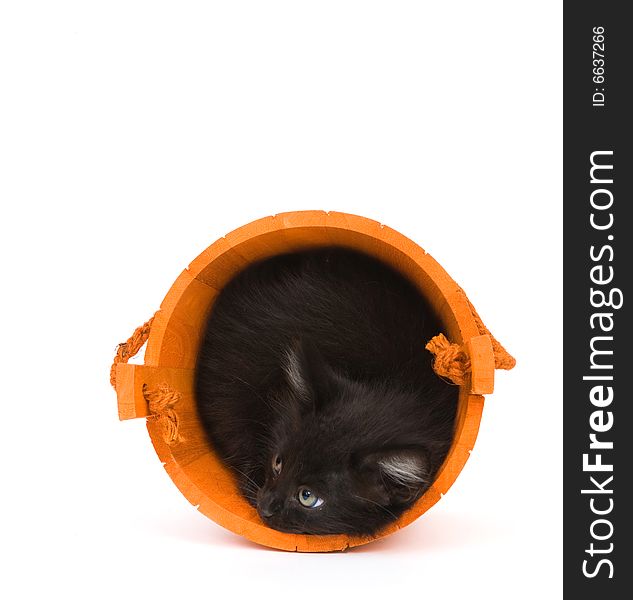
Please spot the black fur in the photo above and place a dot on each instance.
(318, 357)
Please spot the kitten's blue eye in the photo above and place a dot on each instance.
(308, 498)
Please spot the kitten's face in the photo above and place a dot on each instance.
(300, 498)
(320, 476)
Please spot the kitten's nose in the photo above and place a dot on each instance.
(268, 506)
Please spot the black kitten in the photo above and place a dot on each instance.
(314, 386)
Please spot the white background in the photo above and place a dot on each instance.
(133, 134)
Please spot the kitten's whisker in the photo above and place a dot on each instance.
(378, 505)
(267, 400)
(247, 384)
(257, 486)
(275, 405)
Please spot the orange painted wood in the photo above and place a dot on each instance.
(482, 361)
(129, 404)
(176, 334)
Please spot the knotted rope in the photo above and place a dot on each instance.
(160, 401)
(452, 361)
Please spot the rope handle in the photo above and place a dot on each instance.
(453, 361)
(161, 400)
(127, 350)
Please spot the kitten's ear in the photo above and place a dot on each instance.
(308, 374)
(395, 476)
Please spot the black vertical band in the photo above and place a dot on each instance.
(598, 268)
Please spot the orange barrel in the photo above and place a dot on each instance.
(161, 390)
